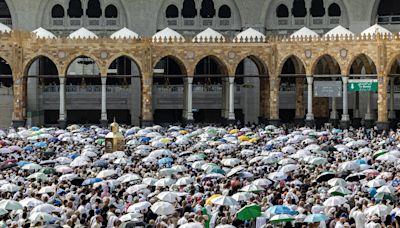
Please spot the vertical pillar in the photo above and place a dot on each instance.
(392, 112)
(225, 100)
(19, 110)
(103, 119)
(231, 114)
(274, 100)
(300, 110)
(310, 115)
(345, 121)
(147, 99)
(62, 120)
(334, 116)
(382, 122)
(188, 113)
(369, 118)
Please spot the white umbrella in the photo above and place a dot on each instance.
(79, 161)
(63, 160)
(192, 225)
(47, 208)
(277, 176)
(198, 164)
(334, 201)
(379, 210)
(9, 188)
(138, 206)
(337, 182)
(164, 182)
(63, 169)
(149, 181)
(225, 201)
(31, 166)
(129, 177)
(171, 197)
(130, 216)
(47, 189)
(386, 189)
(68, 177)
(233, 171)
(179, 168)
(30, 202)
(225, 226)
(252, 188)
(230, 162)
(184, 181)
(376, 183)
(242, 196)
(287, 161)
(119, 154)
(41, 217)
(166, 172)
(390, 158)
(162, 208)
(262, 182)
(339, 189)
(289, 168)
(349, 166)
(89, 154)
(106, 173)
(10, 205)
(136, 188)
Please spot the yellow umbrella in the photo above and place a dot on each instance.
(165, 140)
(233, 131)
(244, 138)
(182, 132)
(208, 201)
(253, 140)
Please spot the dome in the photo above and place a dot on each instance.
(339, 31)
(82, 33)
(375, 29)
(4, 28)
(124, 33)
(43, 34)
(167, 34)
(209, 35)
(251, 35)
(304, 32)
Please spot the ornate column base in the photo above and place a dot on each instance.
(276, 123)
(310, 123)
(146, 123)
(356, 122)
(18, 123)
(382, 126)
(104, 123)
(298, 121)
(62, 124)
(344, 124)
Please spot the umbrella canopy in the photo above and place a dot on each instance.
(249, 212)
(281, 218)
(41, 217)
(91, 181)
(252, 188)
(171, 197)
(334, 201)
(313, 218)
(10, 205)
(162, 208)
(138, 206)
(280, 209)
(224, 201)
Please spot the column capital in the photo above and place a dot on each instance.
(345, 79)
(62, 80)
(103, 80)
(310, 79)
(188, 79)
(231, 79)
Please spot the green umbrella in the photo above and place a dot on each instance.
(249, 212)
(281, 218)
(339, 191)
(384, 195)
(100, 141)
(216, 170)
(38, 176)
(47, 170)
(379, 153)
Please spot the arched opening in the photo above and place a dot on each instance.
(299, 8)
(43, 96)
(388, 12)
(168, 83)
(334, 10)
(57, 11)
(189, 9)
(94, 9)
(292, 84)
(6, 94)
(327, 74)
(123, 80)
(252, 92)
(5, 14)
(171, 12)
(282, 11)
(224, 12)
(393, 89)
(111, 11)
(363, 68)
(317, 8)
(83, 81)
(207, 9)
(208, 85)
(75, 9)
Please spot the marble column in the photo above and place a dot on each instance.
(345, 121)
(62, 115)
(188, 114)
(147, 99)
(274, 100)
(382, 122)
(103, 119)
(231, 114)
(310, 115)
(300, 110)
(392, 112)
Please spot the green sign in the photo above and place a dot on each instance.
(362, 85)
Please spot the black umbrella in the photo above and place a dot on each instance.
(77, 181)
(329, 148)
(132, 224)
(355, 177)
(325, 176)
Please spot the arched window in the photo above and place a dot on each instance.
(75, 9)
(317, 8)
(172, 12)
(111, 11)
(334, 10)
(299, 8)
(224, 12)
(94, 9)
(4, 10)
(388, 8)
(189, 9)
(207, 9)
(282, 11)
(57, 11)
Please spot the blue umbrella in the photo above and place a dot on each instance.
(40, 144)
(101, 163)
(104, 131)
(28, 149)
(336, 131)
(144, 139)
(372, 192)
(280, 209)
(22, 163)
(73, 156)
(129, 132)
(360, 162)
(35, 129)
(61, 191)
(53, 140)
(91, 181)
(315, 218)
(165, 161)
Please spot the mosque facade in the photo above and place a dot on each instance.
(247, 66)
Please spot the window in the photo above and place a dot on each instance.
(299, 8)
(94, 9)
(4, 10)
(334, 10)
(172, 11)
(189, 9)
(207, 9)
(388, 8)
(224, 12)
(57, 11)
(282, 11)
(75, 9)
(317, 8)
(111, 11)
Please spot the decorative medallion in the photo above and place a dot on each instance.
(343, 52)
(61, 54)
(231, 55)
(308, 53)
(190, 55)
(103, 55)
